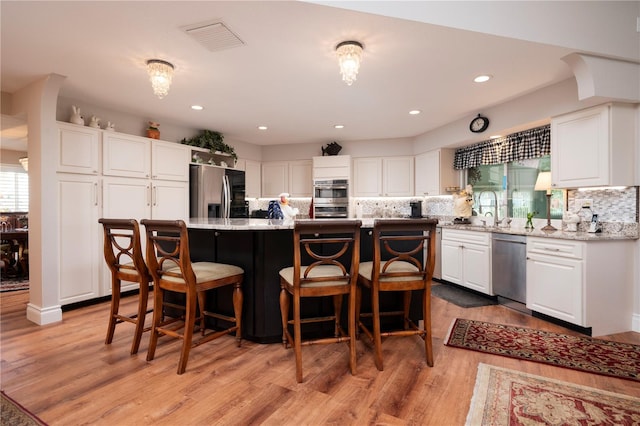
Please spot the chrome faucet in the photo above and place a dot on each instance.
(496, 220)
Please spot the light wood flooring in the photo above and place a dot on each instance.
(66, 375)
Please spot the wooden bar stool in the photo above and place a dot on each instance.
(123, 254)
(396, 266)
(170, 265)
(333, 247)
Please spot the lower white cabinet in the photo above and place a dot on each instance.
(142, 199)
(589, 284)
(466, 259)
(80, 239)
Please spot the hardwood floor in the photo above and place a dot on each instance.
(66, 375)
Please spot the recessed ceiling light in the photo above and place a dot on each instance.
(482, 78)
(339, 126)
(262, 127)
(197, 107)
(415, 112)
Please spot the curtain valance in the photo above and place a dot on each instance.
(532, 143)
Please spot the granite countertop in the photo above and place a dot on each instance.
(275, 224)
(563, 235)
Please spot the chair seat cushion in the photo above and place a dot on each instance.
(366, 270)
(317, 272)
(206, 271)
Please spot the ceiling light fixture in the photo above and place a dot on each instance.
(262, 127)
(338, 126)
(349, 57)
(160, 74)
(197, 107)
(414, 112)
(482, 78)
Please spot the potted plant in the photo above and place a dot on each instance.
(213, 141)
(153, 130)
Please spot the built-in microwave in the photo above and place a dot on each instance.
(330, 198)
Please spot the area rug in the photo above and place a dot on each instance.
(14, 414)
(11, 284)
(597, 356)
(508, 397)
(461, 297)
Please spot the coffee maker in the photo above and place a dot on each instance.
(416, 209)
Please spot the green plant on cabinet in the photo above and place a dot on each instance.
(213, 141)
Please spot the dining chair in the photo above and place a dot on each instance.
(326, 255)
(398, 266)
(169, 262)
(124, 257)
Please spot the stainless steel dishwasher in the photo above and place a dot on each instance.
(509, 263)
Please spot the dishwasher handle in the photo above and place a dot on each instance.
(504, 240)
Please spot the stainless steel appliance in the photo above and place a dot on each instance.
(330, 198)
(509, 263)
(416, 209)
(216, 192)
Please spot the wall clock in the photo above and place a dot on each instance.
(479, 124)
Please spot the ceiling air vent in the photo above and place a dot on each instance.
(213, 35)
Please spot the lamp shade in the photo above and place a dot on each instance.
(543, 183)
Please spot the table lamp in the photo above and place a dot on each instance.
(543, 183)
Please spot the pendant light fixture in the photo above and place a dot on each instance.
(349, 57)
(160, 74)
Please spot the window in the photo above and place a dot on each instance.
(14, 189)
(515, 182)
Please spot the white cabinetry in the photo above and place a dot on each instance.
(300, 180)
(252, 176)
(124, 189)
(593, 147)
(79, 239)
(389, 177)
(434, 172)
(466, 259)
(78, 149)
(293, 177)
(126, 155)
(588, 284)
(332, 167)
(275, 178)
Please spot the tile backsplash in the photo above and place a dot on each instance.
(617, 209)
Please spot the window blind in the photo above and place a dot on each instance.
(14, 189)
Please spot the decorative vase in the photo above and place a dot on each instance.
(529, 224)
(153, 133)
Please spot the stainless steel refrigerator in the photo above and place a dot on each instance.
(216, 192)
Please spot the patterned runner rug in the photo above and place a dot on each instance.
(14, 414)
(12, 284)
(508, 397)
(576, 352)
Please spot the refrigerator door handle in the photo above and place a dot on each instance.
(226, 197)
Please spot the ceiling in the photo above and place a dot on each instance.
(285, 75)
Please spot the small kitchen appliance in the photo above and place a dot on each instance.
(416, 209)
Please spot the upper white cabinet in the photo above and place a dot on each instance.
(397, 176)
(275, 178)
(300, 180)
(293, 177)
(389, 177)
(126, 155)
(252, 176)
(593, 147)
(434, 172)
(332, 167)
(170, 161)
(78, 149)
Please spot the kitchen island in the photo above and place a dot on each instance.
(262, 247)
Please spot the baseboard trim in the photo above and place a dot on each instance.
(43, 316)
(635, 323)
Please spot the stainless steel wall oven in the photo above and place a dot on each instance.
(330, 198)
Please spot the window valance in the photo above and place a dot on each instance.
(532, 143)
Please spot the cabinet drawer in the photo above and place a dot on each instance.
(554, 247)
(481, 238)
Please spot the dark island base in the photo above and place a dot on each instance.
(262, 254)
